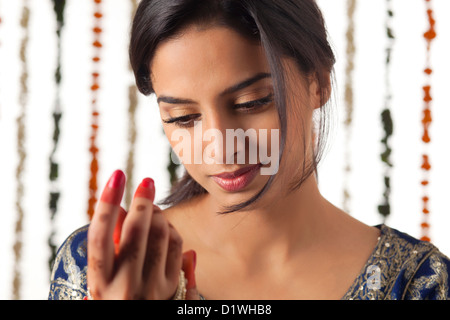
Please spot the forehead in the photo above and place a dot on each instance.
(208, 59)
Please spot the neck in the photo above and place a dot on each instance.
(279, 227)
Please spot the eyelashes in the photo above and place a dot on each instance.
(184, 121)
(254, 104)
(247, 107)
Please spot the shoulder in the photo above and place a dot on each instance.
(403, 267)
(68, 277)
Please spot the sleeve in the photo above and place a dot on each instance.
(68, 276)
(431, 281)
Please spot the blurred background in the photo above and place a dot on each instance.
(351, 174)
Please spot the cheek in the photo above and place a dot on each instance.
(298, 147)
(271, 140)
(186, 148)
(298, 133)
(181, 142)
(195, 171)
(299, 121)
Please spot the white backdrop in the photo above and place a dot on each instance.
(366, 180)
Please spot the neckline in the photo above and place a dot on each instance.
(381, 239)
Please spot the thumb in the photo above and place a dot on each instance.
(189, 263)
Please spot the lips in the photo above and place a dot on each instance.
(237, 173)
(237, 180)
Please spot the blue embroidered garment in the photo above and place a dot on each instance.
(400, 267)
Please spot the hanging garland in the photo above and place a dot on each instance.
(385, 209)
(351, 5)
(429, 36)
(132, 134)
(93, 186)
(58, 7)
(132, 106)
(23, 97)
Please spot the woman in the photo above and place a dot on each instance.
(231, 231)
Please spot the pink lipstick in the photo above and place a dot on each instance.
(237, 180)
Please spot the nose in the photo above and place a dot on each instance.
(227, 140)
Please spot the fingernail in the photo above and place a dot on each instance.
(117, 180)
(147, 183)
(114, 188)
(146, 189)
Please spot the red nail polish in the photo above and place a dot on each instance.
(114, 188)
(146, 189)
(117, 180)
(147, 183)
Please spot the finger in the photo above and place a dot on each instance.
(174, 255)
(192, 294)
(189, 264)
(101, 229)
(118, 229)
(135, 231)
(157, 246)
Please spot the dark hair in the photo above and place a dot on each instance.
(284, 28)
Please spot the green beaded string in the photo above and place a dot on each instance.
(58, 7)
(385, 208)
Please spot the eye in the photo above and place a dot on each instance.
(251, 105)
(188, 120)
(184, 121)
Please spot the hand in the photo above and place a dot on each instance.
(135, 255)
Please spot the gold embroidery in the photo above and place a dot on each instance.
(438, 280)
(74, 287)
(397, 258)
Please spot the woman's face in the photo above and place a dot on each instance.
(217, 80)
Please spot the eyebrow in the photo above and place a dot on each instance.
(239, 86)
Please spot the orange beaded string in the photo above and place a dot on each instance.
(97, 30)
(429, 36)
